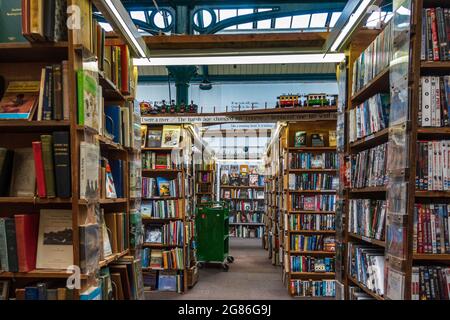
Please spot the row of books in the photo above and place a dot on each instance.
(368, 167)
(242, 194)
(163, 259)
(367, 218)
(160, 187)
(434, 103)
(203, 187)
(251, 180)
(431, 228)
(247, 231)
(317, 242)
(433, 167)
(205, 177)
(312, 222)
(430, 283)
(243, 205)
(171, 233)
(313, 181)
(166, 137)
(366, 265)
(161, 160)
(47, 164)
(246, 217)
(313, 288)
(313, 203)
(111, 178)
(116, 235)
(165, 280)
(369, 117)
(162, 209)
(307, 160)
(375, 58)
(435, 34)
(311, 264)
(303, 139)
(44, 291)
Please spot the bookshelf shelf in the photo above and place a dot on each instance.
(50, 274)
(246, 223)
(370, 141)
(108, 143)
(433, 132)
(378, 84)
(313, 274)
(313, 231)
(435, 66)
(110, 91)
(112, 258)
(312, 253)
(160, 198)
(37, 201)
(310, 212)
(369, 190)
(379, 243)
(431, 257)
(33, 126)
(432, 194)
(365, 289)
(113, 201)
(33, 52)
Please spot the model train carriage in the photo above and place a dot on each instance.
(313, 100)
(288, 101)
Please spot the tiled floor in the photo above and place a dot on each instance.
(251, 276)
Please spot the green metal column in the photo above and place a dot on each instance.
(182, 76)
(182, 24)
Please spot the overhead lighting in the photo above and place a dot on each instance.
(242, 59)
(354, 18)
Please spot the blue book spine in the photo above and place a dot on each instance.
(113, 122)
(117, 172)
(31, 293)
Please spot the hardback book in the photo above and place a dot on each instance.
(61, 155)
(91, 293)
(27, 229)
(113, 121)
(106, 248)
(300, 139)
(49, 167)
(20, 100)
(253, 180)
(89, 247)
(163, 186)
(171, 136)
(111, 224)
(156, 259)
(126, 132)
(88, 108)
(110, 188)
(6, 164)
(117, 173)
(332, 138)
(154, 138)
(23, 179)
(4, 290)
(162, 161)
(143, 135)
(8, 245)
(39, 169)
(243, 169)
(55, 241)
(167, 281)
(36, 16)
(317, 140)
(89, 169)
(11, 21)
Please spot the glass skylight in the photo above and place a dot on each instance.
(318, 20)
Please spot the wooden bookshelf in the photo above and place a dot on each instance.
(370, 141)
(313, 253)
(378, 84)
(365, 289)
(24, 61)
(376, 242)
(431, 257)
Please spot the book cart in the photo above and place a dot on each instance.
(181, 169)
(23, 61)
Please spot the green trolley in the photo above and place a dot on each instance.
(213, 234)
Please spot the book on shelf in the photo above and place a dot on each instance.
(373, 60)
(300, 139)
(431, 228)
(20, 100)
(90, 240)
(8, 245)
(313, 203)
(332, 138)
(317, 140)
(171, 233)
(316, 242)
(312, 181)
(160, 187)
(430, 282)
(116, 224)
(143, 132)
(55, 240)
(105, 235)
(432, 171)
(170, 281)
(11, 21)
(113, 123)
(368, 167)
(434, 101)
(361, 260)
(367, 218)
(435, 44)
(161, 160)
(22, 185)
(171, 136)
(88, 100)
(311, 264)
(44, 291)
(307, 160)
(245, 231)
(117, 171)
(89, 170)
(224, 174)
(162, 209)
(158, 259)
(313, 288)
(369, 117)
(313, 222)
(154, 138)
(62, 167)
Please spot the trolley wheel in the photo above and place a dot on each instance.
(230, 259)
(200, 265)
(225, 267)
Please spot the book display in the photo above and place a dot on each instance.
(242, 187)
(65, 195)
(168, 254)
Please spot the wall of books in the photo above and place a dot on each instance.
(67, 115)
(242, 187)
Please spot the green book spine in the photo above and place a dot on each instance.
(47, 158)
(11, 21)
(80, 96)
(3, 246)
(10, 228)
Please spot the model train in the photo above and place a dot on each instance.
(147, 108)
(309, 100)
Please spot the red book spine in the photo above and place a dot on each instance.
(434, 34)
(27, 228)
(420, 230)
(39, 168)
